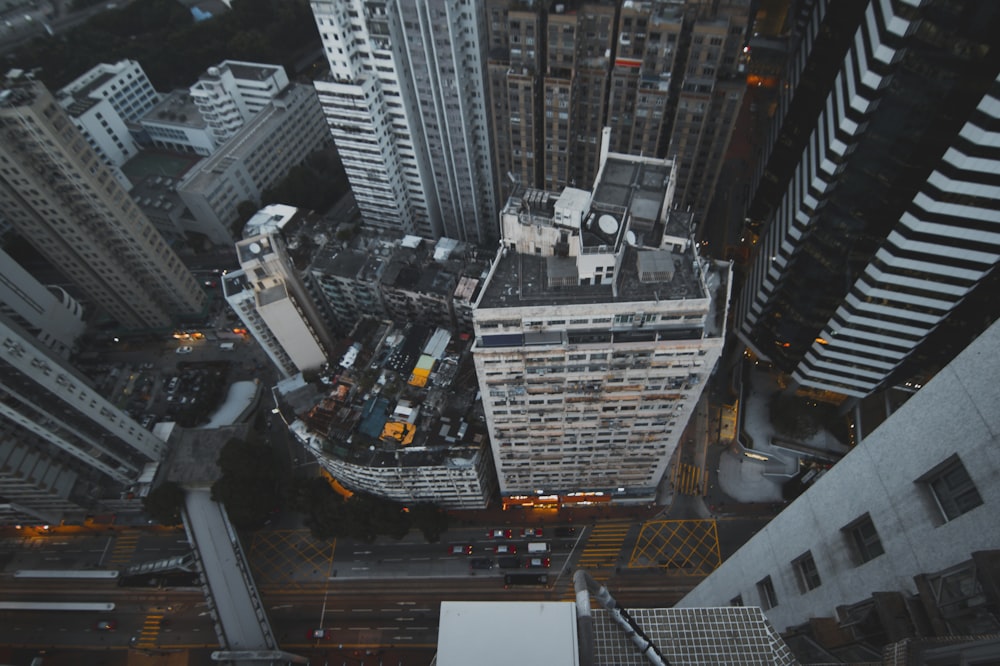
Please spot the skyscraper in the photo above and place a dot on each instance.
(63, 447)
(269, 296)
(663, 75)
(59, 196)
(595, 333)
(894, 542)
(406, 104)
(878, 197)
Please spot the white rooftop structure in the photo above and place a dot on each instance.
(490, 633)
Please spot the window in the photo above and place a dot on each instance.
(806, 571)
(765, 588)
(953, 491)
(864, 539)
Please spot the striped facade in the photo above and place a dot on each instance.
(888, 219)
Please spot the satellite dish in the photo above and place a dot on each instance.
(608, 224)
(255, 247)
(630, 237)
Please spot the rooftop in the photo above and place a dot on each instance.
(176, 108)
(522, 280)
(398, 397)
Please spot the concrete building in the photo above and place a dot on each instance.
(50, 314)
(64, 449)
(124, 84)
(104, 101)
(877, 198)
(59, 196)
(895, 541)
(559, 72)
(261, 153)
(229, 94)
(407, 279)
(175, 124)
(406, 105)
(397, 417)
(271, 299)
(595, 332)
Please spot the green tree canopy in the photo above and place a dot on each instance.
(363, 517)
(164, 503)
(249, 485)
(430, 519)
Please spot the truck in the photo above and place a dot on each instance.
(538, 547)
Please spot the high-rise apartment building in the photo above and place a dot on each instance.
(878, 197)
(893, 542)
(269, 296)
(232, 92)
(663, 75)
(59, 196)
(595, 332)
(63, 447)
(406, 105)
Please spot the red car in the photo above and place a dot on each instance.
(531, 532)
(508, 549)
(460, 550)
(318, 634)
(105, 625)
(499, 534)
(538, 563)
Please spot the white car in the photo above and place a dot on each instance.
(185, 350)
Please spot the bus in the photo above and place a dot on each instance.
(91, 574)
(56, 606)
(514, 580)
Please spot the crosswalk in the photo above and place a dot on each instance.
(600, 553)
(125, 544)
(689, 479)
(150, 631)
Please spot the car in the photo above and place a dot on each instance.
(460, 550)
(531, 532)
(172, 384)
(318, 634)
(500, 534)
(105, 625)
(186, 349)
(509, 562)
(564, 532)
(507, 549)
(481, 563)
(538, 563)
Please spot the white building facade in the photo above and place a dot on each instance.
(269, 296)
(405, 103)
(232, 92)
(262, 152)
(103, 101)
(592, 349)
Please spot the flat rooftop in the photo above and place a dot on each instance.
(403, 422)
(522, 280)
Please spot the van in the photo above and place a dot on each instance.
(538, 547)
(227, 346)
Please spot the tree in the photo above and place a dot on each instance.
(430, 519)
(794, 417)
(164, 503)
(249, 483)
